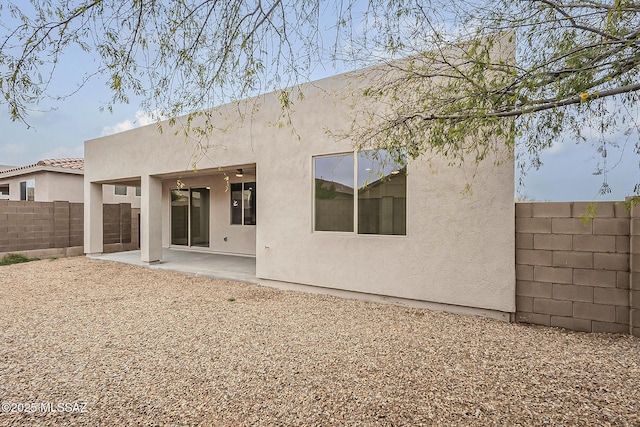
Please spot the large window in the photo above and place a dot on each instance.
(243, 203)
(380, 204)
(28, 190)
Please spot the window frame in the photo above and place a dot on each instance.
(243, 187)
(313, 192)
(356, 203)
(24, 189)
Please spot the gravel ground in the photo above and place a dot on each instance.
(125, 345)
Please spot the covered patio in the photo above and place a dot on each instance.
(217, 266)
(210, 210)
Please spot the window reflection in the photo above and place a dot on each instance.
(382, 192)
(200, 202)
(236, 203)
(249, 202)
(243, 203)
(334, 193)
(179, 217)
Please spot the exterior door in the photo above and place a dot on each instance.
(190, 217)
(180, 217)
(199, 217)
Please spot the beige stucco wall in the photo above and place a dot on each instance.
(458, 248)
(49, 186)
(146, 151)
(60, 186)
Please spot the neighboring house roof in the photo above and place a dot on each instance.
(370, 185)
(66, 165)
(71, 163)
(338, 187)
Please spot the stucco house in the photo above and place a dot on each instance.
(57, 180)
(313, 212)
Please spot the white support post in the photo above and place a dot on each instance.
(151, 219)
(93, 239)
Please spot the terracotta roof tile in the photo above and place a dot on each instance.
(72, 163)
(66, 163)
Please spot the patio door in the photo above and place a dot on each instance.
(190, 217)
(199, 217)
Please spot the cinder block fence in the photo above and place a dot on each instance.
(576, 274)
(56, 229)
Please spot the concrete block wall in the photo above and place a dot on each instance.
(56, 229)
(60, 225)
(129, 226)
(634, 276)
(576, 274)
(111, 224)
(76, 224)
(26, 225)
(135, 228)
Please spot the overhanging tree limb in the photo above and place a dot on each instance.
(529, 109)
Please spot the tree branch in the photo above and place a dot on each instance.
(521, 110)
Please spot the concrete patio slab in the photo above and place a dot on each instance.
(217, 266)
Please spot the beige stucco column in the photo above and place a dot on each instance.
(92, 218)
(151, 219)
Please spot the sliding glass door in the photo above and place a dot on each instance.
(190, 217)
(199, 217)
(180, 217)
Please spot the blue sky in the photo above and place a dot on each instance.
(567, 174)
(60, 128)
